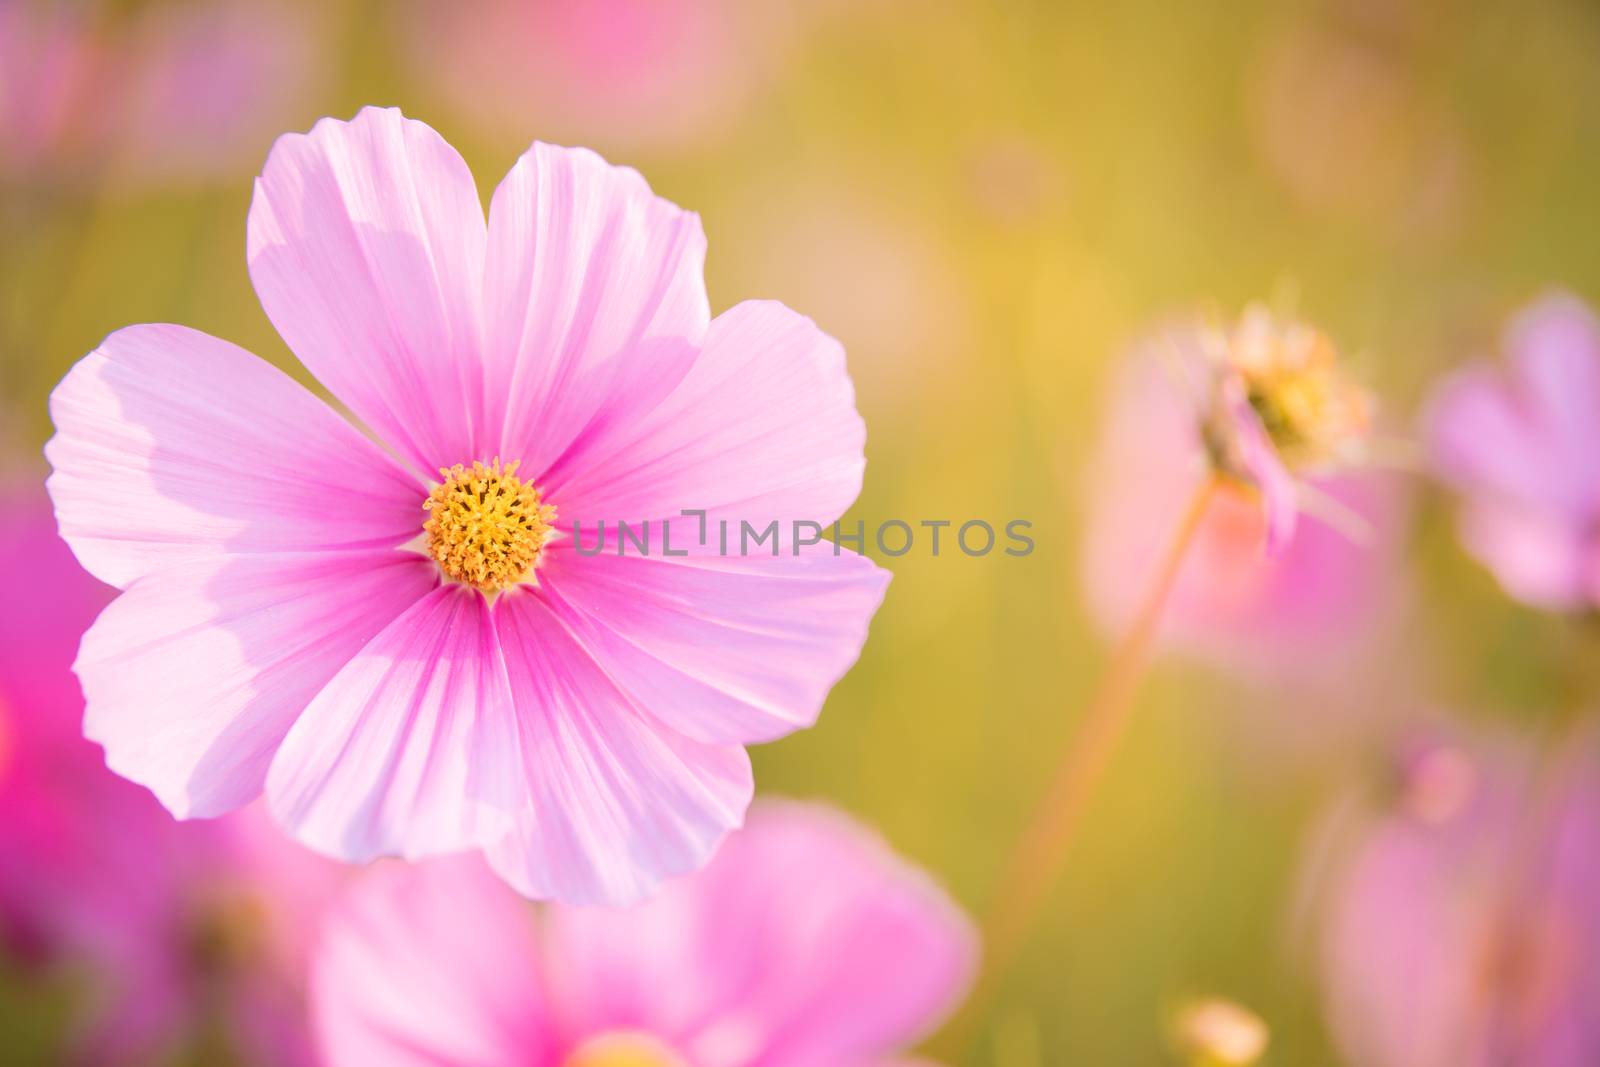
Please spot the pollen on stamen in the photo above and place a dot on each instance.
(486, 527)
(1313, 414)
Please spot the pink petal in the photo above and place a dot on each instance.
(192, 676)
(616, 802)
(366, 244)
(723, 650)
(806, 941)
(1555, 347)
(1539, 557)
(1485, 440)
(1279, 496)
(429, 966)
(595, 303)
(172, 447)
(763, 427)
(410, 749)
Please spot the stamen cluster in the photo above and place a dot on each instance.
(1311, 411)
(486, 527)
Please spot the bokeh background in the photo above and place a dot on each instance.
(988, 204)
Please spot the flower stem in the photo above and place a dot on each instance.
(1035, 860)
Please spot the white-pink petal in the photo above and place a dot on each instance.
(193, 675)
(737, 649)
(595, 303)
(409, 750)
(366, 246)
(763, 427)
(616, 802)
(173, 447)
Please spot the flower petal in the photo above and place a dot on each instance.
(1539, 557)
(429, 965)
(735, 649)
(1555, 348)
(595, 303)
(366, 244)
(410, 749)
(172, 447)
(1260, 461)
(763, 427)
(805, 941)
(616, 802)
(193, 675)
(1485, 440)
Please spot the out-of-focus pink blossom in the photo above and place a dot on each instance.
(50, 62)
(805, 943)
(404, 650)
(172, 925)
(166, 93)
(1322, 595)
(1522, 445)
(623, 74)
(1460, 926)
(211, 85)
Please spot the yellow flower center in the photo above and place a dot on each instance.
(486, 527)
(1311, 411)
(623, 1049)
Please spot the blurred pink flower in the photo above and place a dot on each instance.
(1522, 445)
(48, 66)
(414, 665)
(211, 85)
(1320, 597)
(168, 93)
(805, 943)
(171, 922)
(627, 74)
(1461, 928)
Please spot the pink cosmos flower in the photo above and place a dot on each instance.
(404, 651)
(806, 943)
(1522, 446)
(172, 923)
(1461, 929)
(1321, 596)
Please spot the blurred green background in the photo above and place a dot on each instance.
(987, 203)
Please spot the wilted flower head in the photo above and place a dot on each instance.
(402, 650)
(805, 943)
(1460, 928)
(1323, 594)
(1522, 445)
(1275, 405)
(174, 927)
